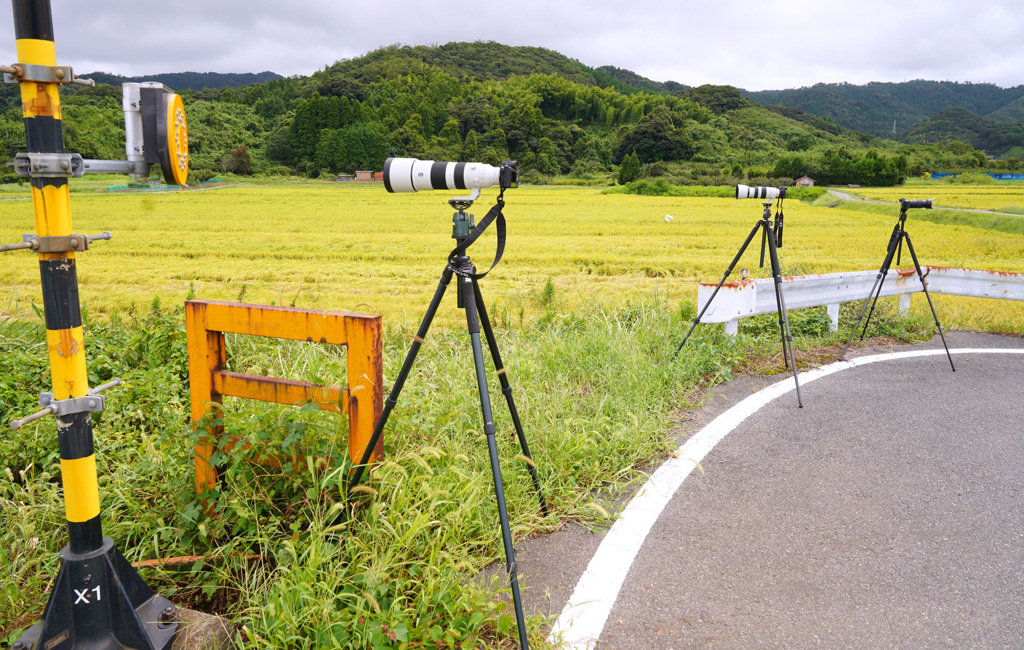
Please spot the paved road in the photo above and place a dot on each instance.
(889, 512)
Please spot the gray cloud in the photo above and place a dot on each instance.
(754, 45)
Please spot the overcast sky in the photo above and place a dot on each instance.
(757, 45)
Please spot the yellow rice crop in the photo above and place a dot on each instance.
(357, 248)
(998, 197)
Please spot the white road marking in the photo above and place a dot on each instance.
(583, 617)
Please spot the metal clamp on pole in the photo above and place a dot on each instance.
(92, 402)
(44, 74)
(64, 244)
(49, 165)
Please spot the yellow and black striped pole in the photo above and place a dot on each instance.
(50, 198)
(98, 600)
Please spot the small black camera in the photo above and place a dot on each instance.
(508, 176)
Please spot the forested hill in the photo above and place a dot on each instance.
(638, 82)
(872, 108)
(963, 125)
(189, 80)
(489, 102)
(477, 61)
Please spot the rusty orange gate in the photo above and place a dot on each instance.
(206, 322)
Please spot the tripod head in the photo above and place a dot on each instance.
(462, 223)
(779, 196)
(465, 233)
(766, 217)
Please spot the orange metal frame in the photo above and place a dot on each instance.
(206, 322)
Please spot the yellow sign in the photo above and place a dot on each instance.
(177, 139)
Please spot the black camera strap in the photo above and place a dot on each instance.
(492, 214)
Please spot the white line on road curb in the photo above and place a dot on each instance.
(584, 616)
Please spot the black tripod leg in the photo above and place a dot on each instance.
(924, 286)
(506, 390)
(780, 306)
(470, 303)
(396, 389)
(895, 244)
(872, 296)
(853, 332)
(735, 261)
(787, 338)
(874, 302)
(764, 240)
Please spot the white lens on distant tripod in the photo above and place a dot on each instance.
(759, 192)
(413, 175)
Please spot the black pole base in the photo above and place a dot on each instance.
(99, 602)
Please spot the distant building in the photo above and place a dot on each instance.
(804, 181)
(378, 176)
(364, 176)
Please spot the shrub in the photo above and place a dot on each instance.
(968, 178)
(629, 171)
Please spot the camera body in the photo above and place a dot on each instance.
(509, 174)
(414, 175)
(760, 192)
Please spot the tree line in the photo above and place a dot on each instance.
(436, 103)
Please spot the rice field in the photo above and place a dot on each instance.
(357, 248)
(998, 197)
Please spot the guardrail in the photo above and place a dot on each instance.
(362, 399)
(743, 298)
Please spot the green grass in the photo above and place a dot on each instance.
(407, 551)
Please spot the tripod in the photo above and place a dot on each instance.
(899, 233)
(470, 299)
(771, 234)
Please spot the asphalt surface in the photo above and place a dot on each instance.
(886, 513)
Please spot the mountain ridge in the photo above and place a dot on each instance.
(488, 102)
(873, 107)
(891, 110)
(189, 80)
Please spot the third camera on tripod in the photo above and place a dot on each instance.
(759, 192)
(916, 203)
(414, 175)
